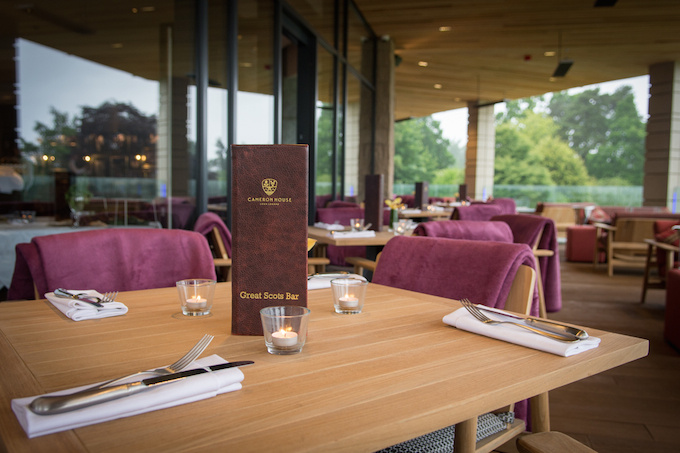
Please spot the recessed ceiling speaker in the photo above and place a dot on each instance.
(562, 68)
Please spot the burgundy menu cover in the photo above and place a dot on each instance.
(269, 226)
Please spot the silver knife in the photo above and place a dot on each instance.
(49, 405)
(543, 324)
(60, 292)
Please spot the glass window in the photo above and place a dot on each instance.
(325, 117)
(352, 127)
(359, 44)
(255, 103)
(319, 14)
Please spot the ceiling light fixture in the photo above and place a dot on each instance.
(422, 63)
(564, 64)
(549, 53)
(437, 86)
(444, 28)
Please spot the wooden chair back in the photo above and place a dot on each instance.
(521, 293)
(634, 229)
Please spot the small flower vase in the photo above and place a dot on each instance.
(394, 217)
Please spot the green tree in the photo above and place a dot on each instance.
(55, 142)
(420, 150)
(605, 130)
(529, 152)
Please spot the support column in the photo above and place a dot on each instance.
(662, 145)
(481, 151)
(382, 161)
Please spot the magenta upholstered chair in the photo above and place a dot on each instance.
(476, 212)
(453, 268)
(478, 270)
(528, 229)
(119, 259)
(466, 229)
(507, 205)
(209, 220)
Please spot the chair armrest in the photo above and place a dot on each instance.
(604, 226)
(543, 252)
(663, 245)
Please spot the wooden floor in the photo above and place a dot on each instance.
(632, 408)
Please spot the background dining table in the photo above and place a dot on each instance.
(362, 382)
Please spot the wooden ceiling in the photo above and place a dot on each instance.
(495, 48)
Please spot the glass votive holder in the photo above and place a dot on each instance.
(357, 224)
(285, 328)
(401, 227)
(348, 295)
(196, 296)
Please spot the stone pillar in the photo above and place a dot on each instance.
(481, 151)
(662, 145)
(383, 159)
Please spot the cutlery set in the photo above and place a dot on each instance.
(108, 391)
(93, 300)
(544, 327)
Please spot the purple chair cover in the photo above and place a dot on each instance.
(341, 204)
(476, 212)
(525, 229)
(466, 229)
(335, 254)
(207, 221)
(111, 260)
(507, 205)
(454, 269)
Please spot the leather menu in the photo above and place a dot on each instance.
(269, 223)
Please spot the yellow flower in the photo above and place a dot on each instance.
(394, 204)
(310, 244)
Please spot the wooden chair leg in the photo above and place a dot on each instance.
(466, 436)
(645, 279)
(542, 311)
(540, 413)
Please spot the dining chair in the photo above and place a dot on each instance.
(114, 259)
(550, 442)
(540, 233)
(664, 247)
(453, 269)
(466, 229)
(218, 235)
(476, 212)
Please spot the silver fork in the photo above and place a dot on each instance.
(174, 368)
(477, 313)
(110, 296)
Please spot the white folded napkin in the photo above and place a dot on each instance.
(183, 391)
(78, 310)
(329, 226)
(462, 319)
(410, 211)
(352, 234)
(324, 280)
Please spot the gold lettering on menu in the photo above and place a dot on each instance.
(267, 295)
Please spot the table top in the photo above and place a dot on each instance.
(362, 382)
(425, 214)
(323, 236)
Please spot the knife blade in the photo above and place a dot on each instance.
(49, 405)
(543, 324)
(60, 292)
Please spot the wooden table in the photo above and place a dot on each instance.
(362, 382)
(424, 215)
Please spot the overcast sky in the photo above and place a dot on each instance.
(48, 77)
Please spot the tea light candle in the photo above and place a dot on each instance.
(357, 225)
(348, 301)
(196, 303)
(284, 338)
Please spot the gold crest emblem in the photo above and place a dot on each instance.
(269, 186)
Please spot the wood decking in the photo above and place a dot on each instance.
(632, 408)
